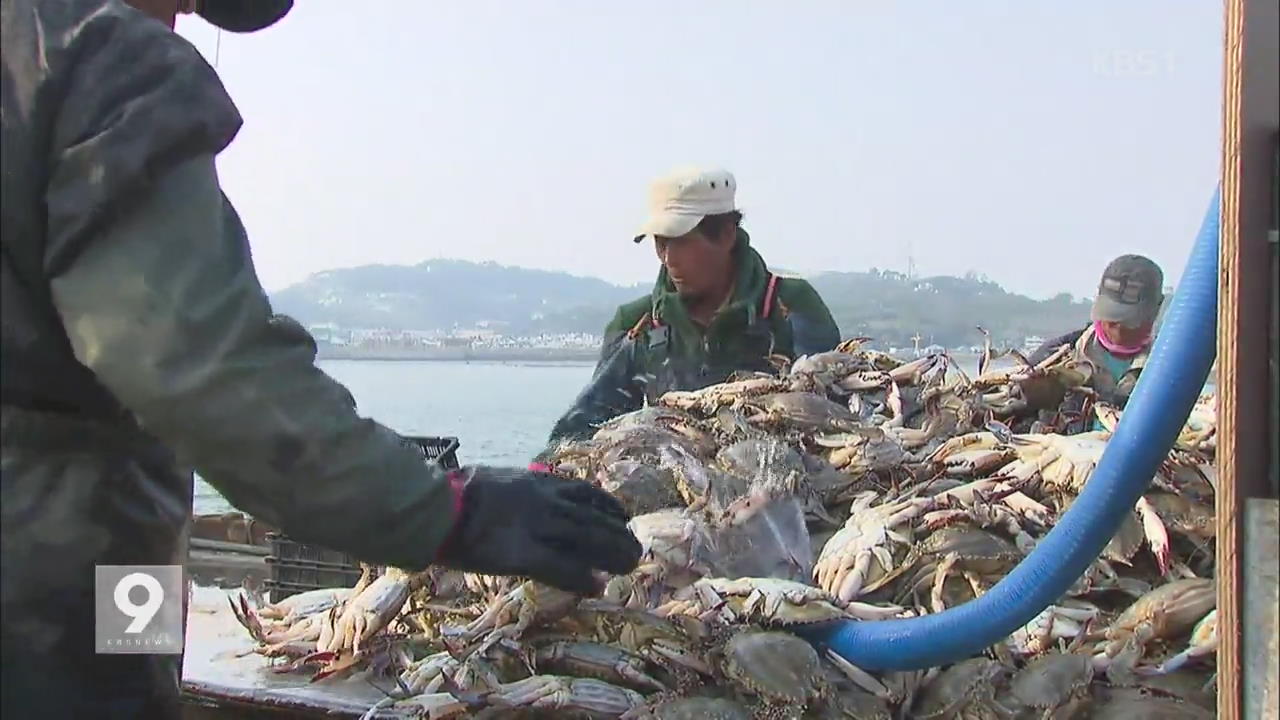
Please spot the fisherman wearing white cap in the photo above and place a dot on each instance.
(714, 310)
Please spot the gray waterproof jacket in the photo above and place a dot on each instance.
(137, 341)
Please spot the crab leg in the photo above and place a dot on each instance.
(940, 576)
(860, 677)
(866, 611)
(1014, 499)
(1204, 642)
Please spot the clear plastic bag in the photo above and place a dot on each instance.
(768, 540)
(756, 523)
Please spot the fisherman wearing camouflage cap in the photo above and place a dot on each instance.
(1122, 330)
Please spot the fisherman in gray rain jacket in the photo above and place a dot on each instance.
(136, 340)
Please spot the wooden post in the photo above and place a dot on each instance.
(1249, 122)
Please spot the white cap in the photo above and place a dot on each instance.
(679, 201)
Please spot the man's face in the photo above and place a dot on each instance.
(1121, 334)
(696, 264)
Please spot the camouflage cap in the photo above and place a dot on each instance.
(243, 16)
(1131, 291)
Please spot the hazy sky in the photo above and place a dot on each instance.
(1030, 141)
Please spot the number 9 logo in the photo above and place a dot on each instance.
(141, 614)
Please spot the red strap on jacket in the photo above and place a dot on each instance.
(769, 291)
(456, 480)
(646, 323)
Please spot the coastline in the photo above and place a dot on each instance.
(332, 352)
(525, 355)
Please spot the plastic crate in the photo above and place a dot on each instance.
(293, 576)
(443, 450)
(296, 567)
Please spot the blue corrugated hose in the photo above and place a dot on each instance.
(1166, 391)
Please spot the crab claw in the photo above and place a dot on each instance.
(339, 663)
(247, 617)
(1002, 431)
(457, 649)
(712, 612)
(320, 656)
(303, 662)
(1156, 533)
(473, 700)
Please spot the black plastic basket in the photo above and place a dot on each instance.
(443, 450)
(296, 567)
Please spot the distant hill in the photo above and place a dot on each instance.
(444, 294)
(944, 310)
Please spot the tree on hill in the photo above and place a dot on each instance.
(882, 304)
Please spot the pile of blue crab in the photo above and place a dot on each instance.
(851, 485)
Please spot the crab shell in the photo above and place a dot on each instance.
(602, 662)
(1198, 433)
(1126, 542)
(777, 667)
(1051, 680)
(833, 363)
(856, 704)
(976, 550)
(765, 458)
(699, 484)
(803, 411)
(562, 695)
(767, 601)
(1125, 703)
(711, 398)
(697, 708)
(673, 537)
(1184, 515)
(667, 418)
(1168, 610)
(865, 450)
(1184, 684)
(957, 687)
(642, 442)
(640, 487)
(668, 642)
(437, 706)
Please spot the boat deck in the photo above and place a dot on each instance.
(246, 687)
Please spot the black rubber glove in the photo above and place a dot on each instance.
(553, 530)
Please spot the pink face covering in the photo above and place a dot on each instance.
(1116, 348)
